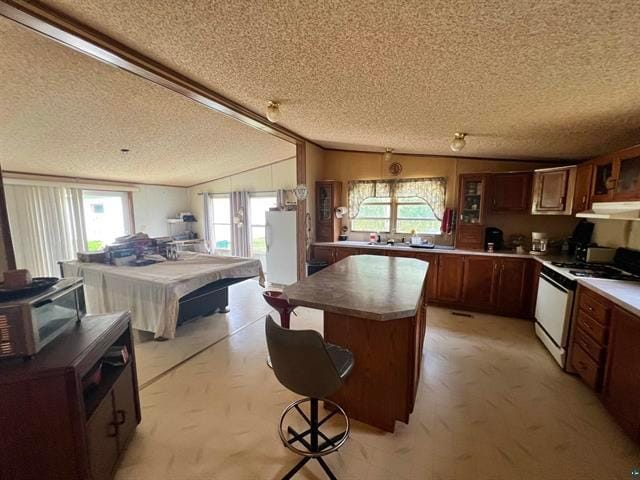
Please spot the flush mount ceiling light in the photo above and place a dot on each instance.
(458, 141)
(388, 153)
(273, 111)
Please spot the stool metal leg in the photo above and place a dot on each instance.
(315, 449)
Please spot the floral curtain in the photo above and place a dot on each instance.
(360, 190)
(432, 190)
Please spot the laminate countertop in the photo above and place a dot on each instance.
(365, 286)
(442, 250)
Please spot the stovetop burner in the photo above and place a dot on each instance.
(596, 270)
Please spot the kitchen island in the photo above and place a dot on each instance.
(376, 307)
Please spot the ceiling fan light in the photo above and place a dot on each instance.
(273, 111)
(458, 142)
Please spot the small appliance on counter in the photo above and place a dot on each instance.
(539, 243)
(343, 237)
(581, 236)
(28, 324)
(495, 236)
(591, 253)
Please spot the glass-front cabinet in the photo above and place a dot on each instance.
(603, 180)
(328, 195)
(471, 208)
(627, 185)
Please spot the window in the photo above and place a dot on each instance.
(397, 206)
(259, 204)
(413, 213)
(221, 226)
(374, 215)
(106, 217)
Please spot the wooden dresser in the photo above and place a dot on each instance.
(53, 428)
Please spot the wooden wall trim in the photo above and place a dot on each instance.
(68, 31)
(6, 231)
(301, 209)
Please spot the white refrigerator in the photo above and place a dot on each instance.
(282, 250)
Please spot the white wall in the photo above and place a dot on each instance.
(281, 175)
(616, 233)
(152, 205)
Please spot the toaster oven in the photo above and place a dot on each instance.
(28, 324)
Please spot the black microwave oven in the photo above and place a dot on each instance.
(28, 324)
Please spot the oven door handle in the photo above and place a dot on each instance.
(553, 283)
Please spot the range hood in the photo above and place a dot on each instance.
(613, 211)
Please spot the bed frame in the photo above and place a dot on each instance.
(212, 298)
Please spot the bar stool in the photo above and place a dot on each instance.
(280, 304)
(305, 364)
(278, 301)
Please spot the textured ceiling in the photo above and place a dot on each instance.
(69, 114)
(526, 78)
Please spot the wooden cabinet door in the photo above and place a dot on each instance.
(603, 180)
(582, 193)
(327, 199)
(324, 253)
(102, 439)
(510, 192)
(513, 284)
(432, 273)
(450, 275)
(552, 190)
(471, 209)
(124, 403)
(627, 174)
(621, 391)
(479, 281)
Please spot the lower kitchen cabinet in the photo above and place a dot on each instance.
(621, 390)
(479, 281)
(514, 281)
(432, 273)
(326, 254)
(450, 278)
(345, 252)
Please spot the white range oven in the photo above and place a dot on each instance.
(554, 308)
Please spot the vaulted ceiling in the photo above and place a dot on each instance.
(526, 78)
(64, 113)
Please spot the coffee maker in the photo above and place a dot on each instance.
(493, 235)
(539, 243)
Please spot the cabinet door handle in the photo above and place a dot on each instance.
(115, 430)
(122, 417)
(590, 308)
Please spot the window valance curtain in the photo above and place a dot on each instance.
(431, 190)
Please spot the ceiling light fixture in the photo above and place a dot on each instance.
(273, 111)
(458, 141)
(388, 153)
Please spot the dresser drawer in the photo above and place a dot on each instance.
(588, 370)
(598, 310)
(596, 330)
(593, 348)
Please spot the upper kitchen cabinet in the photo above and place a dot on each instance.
(603, 181)
(626, 171)
(582, 192)
(562, 190)
(328, 195)
(471, 207)
(616, 177)
(510, 192)
(553, 191)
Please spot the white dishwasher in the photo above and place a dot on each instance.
(554, 307)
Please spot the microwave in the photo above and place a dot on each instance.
(28, 324)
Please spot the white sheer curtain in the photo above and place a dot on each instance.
(47, 226)
(240, 235)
